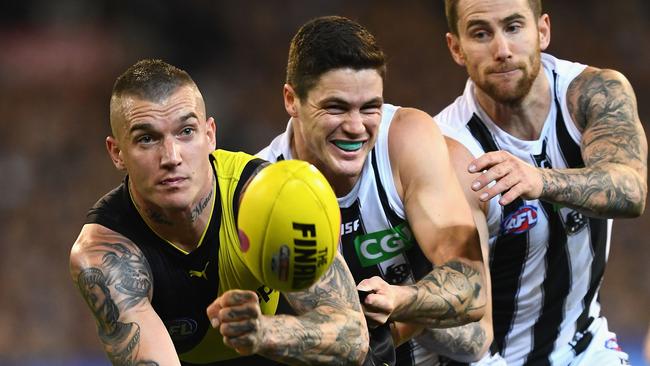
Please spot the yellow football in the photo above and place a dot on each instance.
(289, 222)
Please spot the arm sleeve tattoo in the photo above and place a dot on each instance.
(128, 275)
(446, 297)
(613, 182)
(329, 328)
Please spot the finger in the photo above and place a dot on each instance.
(495, 173)
(213, 312)
(241, 312)
(238, 297)
(244, 345)
(375, 319)
(485, 161)
(369, 284)
(511, 195)
(238, 328)
(502, 185)
(378, 303)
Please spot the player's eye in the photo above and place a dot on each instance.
(144, 139)
(187, 131)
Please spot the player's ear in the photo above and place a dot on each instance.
(212, 132)
(544, 28)
(453, 43)
(290, 100)
(115, 153)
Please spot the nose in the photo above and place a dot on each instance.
(501, 47)
(170, 156)
(354, 123)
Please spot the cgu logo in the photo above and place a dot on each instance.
(520, 221)
(379, 246)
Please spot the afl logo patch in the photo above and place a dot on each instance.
(520, 221)
(181, 329)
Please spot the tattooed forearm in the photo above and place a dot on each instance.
(121, 340)
(330, 328)
(602, 191)
(336, 289)
(320, 337)
(450, 295)
(465, 343)
(614, 149)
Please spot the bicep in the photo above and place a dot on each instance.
(115, 281)
(603, 104)
(435, 205)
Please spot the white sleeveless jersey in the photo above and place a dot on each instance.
(375, 237)
(546, 261)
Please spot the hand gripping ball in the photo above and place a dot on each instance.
(289, 222)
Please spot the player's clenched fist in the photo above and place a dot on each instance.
(238, 317)
(513, 177)
(380, 302)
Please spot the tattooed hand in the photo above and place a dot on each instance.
(237, 315)
(329, 328)
(512, 175)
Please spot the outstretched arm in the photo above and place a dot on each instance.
(453, 293)
(469, 342)
(613, 182)
(115, 280)
(329, 330)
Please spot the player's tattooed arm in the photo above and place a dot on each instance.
(330, 327)
(115, 281)
(448, 296)
(613, 182)
(465, 343)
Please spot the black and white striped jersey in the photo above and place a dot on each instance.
(375, 237)
(546, 261)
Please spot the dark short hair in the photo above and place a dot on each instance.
(152, 80)
(328, 43)
(451, 12)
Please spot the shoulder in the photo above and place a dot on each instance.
(111, 273)
(412, 130)
(411, 120)
(596, 88)
(96, 244)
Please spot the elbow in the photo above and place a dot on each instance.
(476, 312)
(639, 208)
(360, 357)
(635, 197)
(477, 302)
(359, 361)
(484, 347)
(360, 341)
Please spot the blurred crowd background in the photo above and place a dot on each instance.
(58, 61)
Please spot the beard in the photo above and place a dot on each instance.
(513, 95)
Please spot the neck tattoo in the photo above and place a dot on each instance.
(158, 218)
(200, 207)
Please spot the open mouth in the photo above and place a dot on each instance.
(348, 145)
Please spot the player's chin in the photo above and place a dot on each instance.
(173, 200)
(349, 163)
(349, 168)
